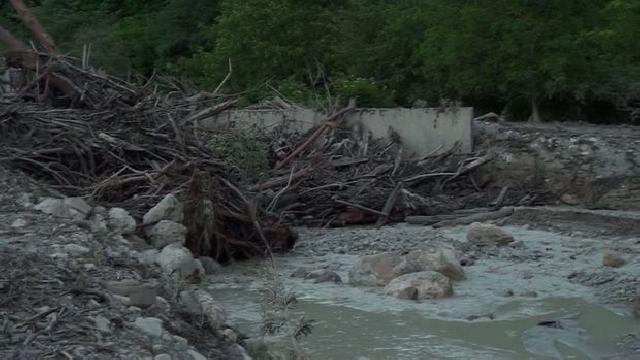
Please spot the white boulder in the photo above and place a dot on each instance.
(121, 221)
(168, 208)
(166, 232)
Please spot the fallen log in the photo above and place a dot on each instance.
(32, 23)
(360, 207)
(282, 180)
(482, 217)
(388, 206)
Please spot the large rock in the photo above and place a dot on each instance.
(420, 286)
(167, 209)
(377, 270)
(75, 208)
(380, 269)
(442, 260)
(166, 232)
(488, 234)
(175, 258)
(613, 259)
(121, 221)
(323, 275)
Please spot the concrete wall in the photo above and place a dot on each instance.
(421, 131)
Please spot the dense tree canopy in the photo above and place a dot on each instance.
(576, 59)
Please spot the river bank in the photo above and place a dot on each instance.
(73, 287)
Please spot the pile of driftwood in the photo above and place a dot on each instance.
(338, 175)
(87, 133)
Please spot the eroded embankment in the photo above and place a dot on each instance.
(589, 165)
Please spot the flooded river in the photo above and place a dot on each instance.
(557, 319)
(352, 323)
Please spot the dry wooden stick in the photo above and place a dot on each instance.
(226, 78)
(500, 199)
(274, 202)
(211, 111)
(426, 176)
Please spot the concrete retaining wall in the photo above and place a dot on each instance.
(421, 131)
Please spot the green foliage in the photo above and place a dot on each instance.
(558, 54)
(365, 91)
(249, 154)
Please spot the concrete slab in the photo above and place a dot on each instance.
(421, 131)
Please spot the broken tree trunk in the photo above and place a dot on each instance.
(388, 206)
(10, 41)
(32, 23)
(494, 215)
(330, 122)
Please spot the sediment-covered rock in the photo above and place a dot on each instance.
(323, 275)
(420, 286)
(377, 270)
(75, 208)
(175, 258)
(487, 234)
(380, 269)
(613, 259)
(438, 259)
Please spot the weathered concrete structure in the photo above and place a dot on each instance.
(421, 131)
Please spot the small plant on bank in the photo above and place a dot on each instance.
(278, 321)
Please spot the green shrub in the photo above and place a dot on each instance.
(248, 153)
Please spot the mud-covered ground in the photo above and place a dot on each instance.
(53, 300)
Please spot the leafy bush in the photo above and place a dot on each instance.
(366, 91)
(250, 154)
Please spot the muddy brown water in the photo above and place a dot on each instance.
(365, 325)
(564, 321)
